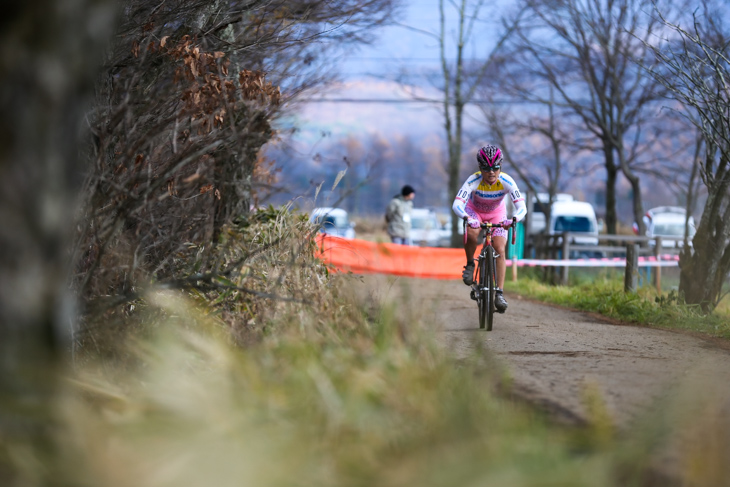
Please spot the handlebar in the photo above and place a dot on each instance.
(495, 225)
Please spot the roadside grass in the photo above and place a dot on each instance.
(351, 396)
(605, 295)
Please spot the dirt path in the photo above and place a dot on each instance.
(557, 356)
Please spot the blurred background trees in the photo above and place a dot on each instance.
(582, 56)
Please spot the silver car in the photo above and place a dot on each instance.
(333, 221)
(426, 230)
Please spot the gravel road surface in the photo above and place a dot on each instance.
(556, 357)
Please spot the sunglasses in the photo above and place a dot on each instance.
(490, 169)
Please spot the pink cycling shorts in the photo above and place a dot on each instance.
(496, 216)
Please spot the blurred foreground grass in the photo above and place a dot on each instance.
(318, 402)
(327, 389)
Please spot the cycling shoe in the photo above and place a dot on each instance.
(468, 275)
(500, 303)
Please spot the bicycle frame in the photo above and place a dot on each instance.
(483, 288)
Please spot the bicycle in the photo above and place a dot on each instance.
(484, 287)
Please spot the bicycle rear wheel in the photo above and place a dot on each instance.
(490, 286)
(482, 296)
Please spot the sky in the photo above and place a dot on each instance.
(367, 106)
(370, 100)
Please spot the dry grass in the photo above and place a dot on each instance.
(331, 397)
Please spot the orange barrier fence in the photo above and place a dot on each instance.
(363, 257)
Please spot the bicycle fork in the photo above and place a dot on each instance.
(475, 289)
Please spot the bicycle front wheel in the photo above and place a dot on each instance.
(490, 287)
(483, 296)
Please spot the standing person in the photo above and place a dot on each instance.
(481, 200)
(398, 216)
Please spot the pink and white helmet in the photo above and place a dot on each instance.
(489, 156)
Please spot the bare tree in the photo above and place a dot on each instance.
(187, 99)
(585, 50)
(696, 70)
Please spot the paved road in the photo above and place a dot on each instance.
(557, 357)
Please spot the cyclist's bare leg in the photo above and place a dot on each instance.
(472, 235)
(500, 244)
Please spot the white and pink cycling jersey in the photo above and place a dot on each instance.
(478, 200)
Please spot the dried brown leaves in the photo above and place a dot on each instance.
(210, 93)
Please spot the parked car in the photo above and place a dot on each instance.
(333, 221)
(535, 216)
(445, 231)
(426, 229)
(668, 221)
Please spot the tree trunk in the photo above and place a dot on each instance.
(454, 185)
(47, 70)
(702, 273)
(637, 204)
(42, 107)
(705, 266)
(611, 177)
(454, 134)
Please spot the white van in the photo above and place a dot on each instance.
(576, 217)
(535, 217)
(668, 221)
